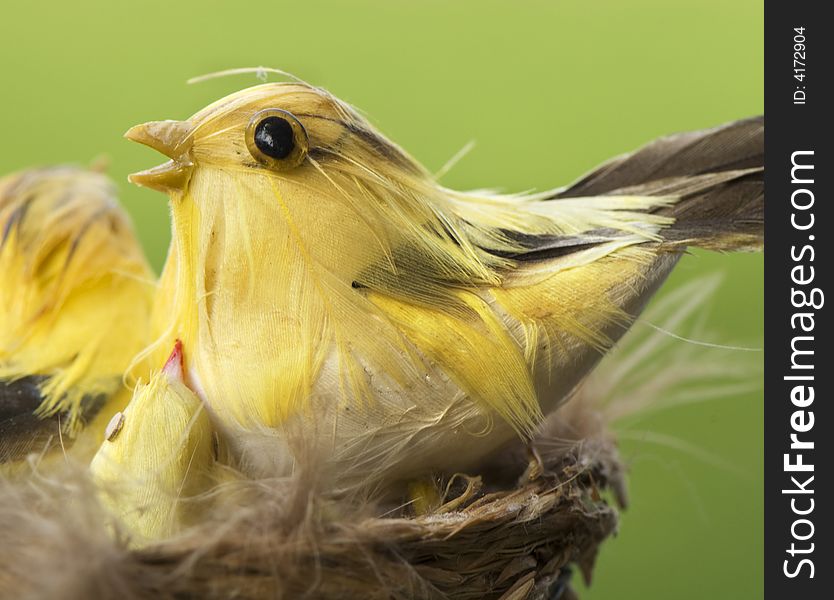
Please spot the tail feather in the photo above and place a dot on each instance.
(730, 147)
(717, 174)
(729, 216)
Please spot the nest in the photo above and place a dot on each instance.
(510, 544)
(519, 542)
(485, 542)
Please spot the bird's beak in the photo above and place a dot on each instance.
(172, 139)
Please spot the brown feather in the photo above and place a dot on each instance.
(733, 146)
(718, 173)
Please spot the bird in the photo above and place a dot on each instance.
(157, 457)
(76, 294)
(338, 305)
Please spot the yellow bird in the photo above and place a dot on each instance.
(75, 302)
(156, 457)
(337, 304)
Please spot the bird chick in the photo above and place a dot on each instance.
(156, 457)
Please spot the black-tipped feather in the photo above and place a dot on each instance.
(21, 430)
(733, 146)
(717, 173)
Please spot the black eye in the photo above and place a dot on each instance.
(276, 139)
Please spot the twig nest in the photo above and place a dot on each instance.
(512, 544)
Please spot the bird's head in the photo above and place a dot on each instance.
(298, 158)
(156, 452)
(277, 134)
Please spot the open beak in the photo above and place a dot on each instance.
(172, 139)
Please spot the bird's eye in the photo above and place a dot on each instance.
(276, 139)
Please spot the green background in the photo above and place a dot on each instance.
(546, 89)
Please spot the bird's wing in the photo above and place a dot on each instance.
(574, 265)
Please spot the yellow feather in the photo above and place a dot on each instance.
(477, 353)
